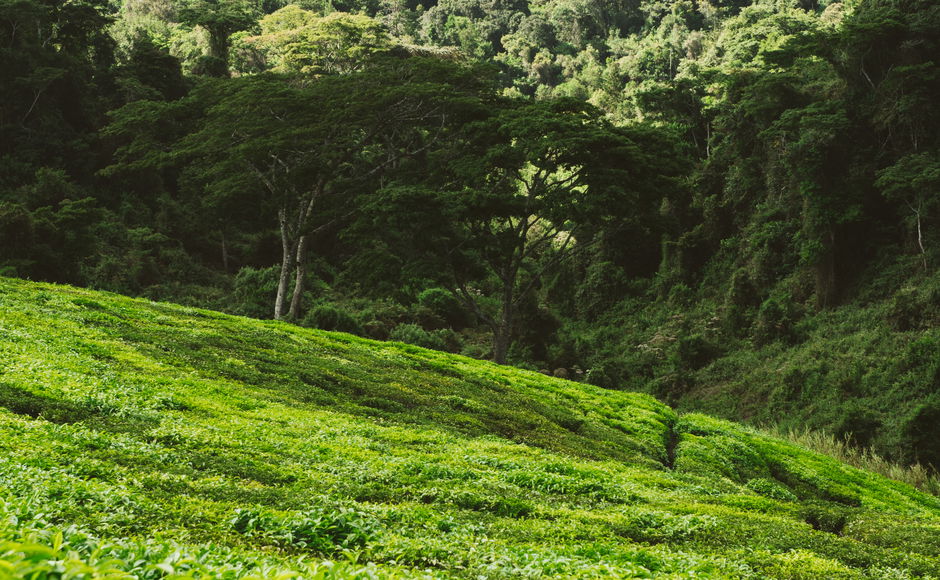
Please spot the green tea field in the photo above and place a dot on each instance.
(147, 440)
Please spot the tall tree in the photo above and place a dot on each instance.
(221, 19)
(307, 150)
(56, 57)
(294, 40)
(531, 186)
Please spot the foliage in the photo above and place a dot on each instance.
(295, 40)
(730, 205)
(328, 317)
(221, 19)
(254, 290)
(318, 530)
(444, 304)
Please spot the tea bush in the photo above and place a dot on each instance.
(318, 530)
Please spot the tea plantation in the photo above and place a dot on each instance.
(146, 440)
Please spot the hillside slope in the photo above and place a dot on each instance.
(867, 370)
(146, 440)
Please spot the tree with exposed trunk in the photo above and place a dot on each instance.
(220, 19)
(306, 149)
(531, 183)
(914, 183)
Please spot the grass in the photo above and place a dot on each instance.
(146, 440)
(865, 458)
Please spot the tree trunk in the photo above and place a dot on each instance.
(301, 274)
(224, 253)
(219, 49)
(287, 259)
(826, 283)
(502, 333)
(501, 340)
(920, 239)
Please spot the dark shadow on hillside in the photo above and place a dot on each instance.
(36, 406)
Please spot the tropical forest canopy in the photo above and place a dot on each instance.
(730, 205)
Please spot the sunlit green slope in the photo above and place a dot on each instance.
(145, 440)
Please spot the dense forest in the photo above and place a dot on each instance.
(730, 205)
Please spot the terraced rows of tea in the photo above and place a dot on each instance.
(146, 440)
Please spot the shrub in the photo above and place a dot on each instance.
(694, 352)
(319, 529)
(825, 517)
(654, 526)
(508, 507)
(915, 307)
(380, 317)
(776, 319)
(680, 295)
(603, 282)
(865, 458)
(740, 300)
(856, 425)
(329, 317)
(922, 430)
(414, 334)
(771, 489)
(255, 290)
(905, 310)
(449, 338)
(607, 373)
(443, 303)
(805, 565)
(719, 455)
(426, 318)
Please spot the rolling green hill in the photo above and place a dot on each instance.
(146, 440)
